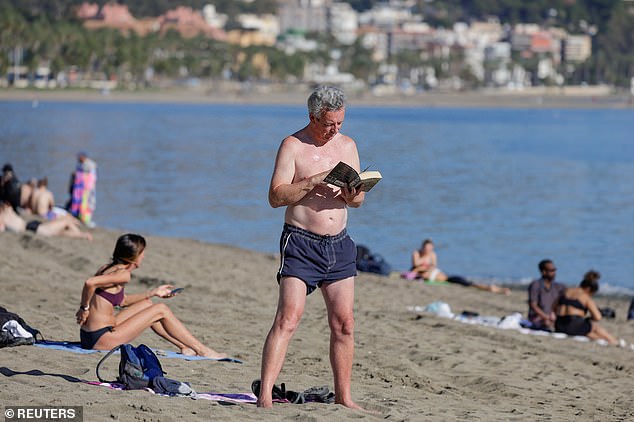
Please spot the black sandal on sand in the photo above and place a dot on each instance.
(318, 395)
(279, 393)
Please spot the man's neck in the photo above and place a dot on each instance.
(315, 140)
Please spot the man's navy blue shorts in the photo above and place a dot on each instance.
(316, 259)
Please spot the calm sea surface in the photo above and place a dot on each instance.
(496, 189)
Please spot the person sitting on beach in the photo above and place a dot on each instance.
(42, 200)
(10, 187)
(66, 226)
(26, 193)
(425, 266)
(543, 296)
(573, 306)
(13, 191)
(102, 329)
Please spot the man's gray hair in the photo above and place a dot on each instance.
(325, 98)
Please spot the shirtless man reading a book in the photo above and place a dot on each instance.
(316, 250)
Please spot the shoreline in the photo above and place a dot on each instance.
(482, 99)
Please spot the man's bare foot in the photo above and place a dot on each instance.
(352, 405)
(266, 404)
(501, 290)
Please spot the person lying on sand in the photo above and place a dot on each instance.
(102, 329)
(573, 306)
(425, 266)
(66, 226)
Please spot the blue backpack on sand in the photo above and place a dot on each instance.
(137, 368)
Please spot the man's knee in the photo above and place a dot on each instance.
(342, 325)
(288, 321)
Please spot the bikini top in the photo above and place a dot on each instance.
(572, 302)
(426, 263)
(115, 298)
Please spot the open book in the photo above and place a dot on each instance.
(344, 175)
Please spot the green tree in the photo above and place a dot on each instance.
(617, 45)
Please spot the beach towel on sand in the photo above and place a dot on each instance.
(310, 395)
(75, 347)
(514, 321)
(225, 398)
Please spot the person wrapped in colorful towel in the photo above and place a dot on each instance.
(84, 189)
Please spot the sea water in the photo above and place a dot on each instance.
(496, 189)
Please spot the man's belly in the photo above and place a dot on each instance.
(329, 221)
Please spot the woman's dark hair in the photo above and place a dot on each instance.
(128, 248)
(591, 281)
(425, 243)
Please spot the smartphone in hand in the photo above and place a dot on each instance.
(177, 290)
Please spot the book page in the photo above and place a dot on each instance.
(368, 179)
(342, 175)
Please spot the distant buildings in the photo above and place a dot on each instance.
(255, 30)
(184, 20)
(577, 48)
(304, 15)
(406, 50)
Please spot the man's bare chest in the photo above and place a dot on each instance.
(313, 160)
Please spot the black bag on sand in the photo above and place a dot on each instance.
(137, 368)
(608, 313)
(6, 339)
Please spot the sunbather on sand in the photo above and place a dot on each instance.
(102, 329)
(425, 266)
(572, 309)
(66, 226)
(42, 200)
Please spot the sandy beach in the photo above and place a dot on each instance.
(408, 365)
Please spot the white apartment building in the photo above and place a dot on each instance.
(343, 22)
(304, 15)
(577, 48)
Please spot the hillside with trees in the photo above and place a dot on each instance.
(47, 31)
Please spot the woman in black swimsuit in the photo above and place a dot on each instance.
(102, 329)
(572, 309)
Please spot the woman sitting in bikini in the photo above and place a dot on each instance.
(102, 329)
(573, 306)
(425, 266)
